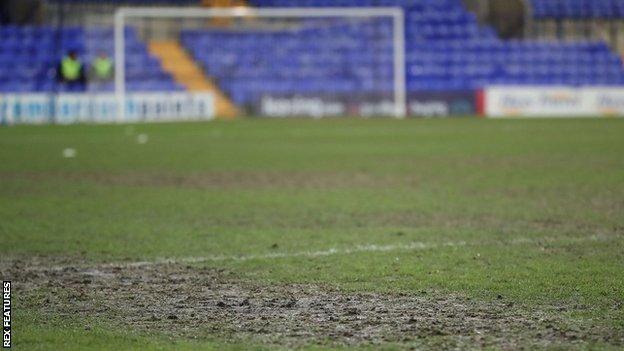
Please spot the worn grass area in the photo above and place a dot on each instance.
(523, 213)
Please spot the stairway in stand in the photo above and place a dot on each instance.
(185, 71)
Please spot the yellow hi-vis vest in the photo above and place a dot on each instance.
(103, 67)
(70, 68)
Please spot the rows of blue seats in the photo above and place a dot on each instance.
(247, 64)
(540, 8)
(330, 57)
(483, 59)
(29, 56)
(354, 58)
(577, 9)
(446, 49)
(475, 64)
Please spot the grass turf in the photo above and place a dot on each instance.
(256, 187)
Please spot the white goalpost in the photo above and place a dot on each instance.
(125, 14)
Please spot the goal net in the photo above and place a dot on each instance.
(274, 62)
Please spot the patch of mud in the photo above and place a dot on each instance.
(195, 302)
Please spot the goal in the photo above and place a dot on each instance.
(276, 62)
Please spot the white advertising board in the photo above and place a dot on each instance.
(553, 102)
(102, 108)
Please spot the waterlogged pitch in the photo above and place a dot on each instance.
(429, 234)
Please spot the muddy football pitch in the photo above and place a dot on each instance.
(315, 234)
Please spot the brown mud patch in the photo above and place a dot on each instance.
(195, 302)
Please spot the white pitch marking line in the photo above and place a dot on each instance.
(414, 246)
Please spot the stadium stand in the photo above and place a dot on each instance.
(446, 50)
(28, 57)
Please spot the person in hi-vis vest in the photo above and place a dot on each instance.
(102, 69)
(70, 72)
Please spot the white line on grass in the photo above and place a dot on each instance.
(413, 246)
(406, 247)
